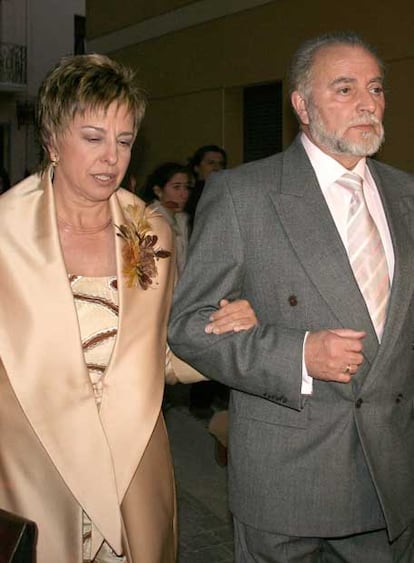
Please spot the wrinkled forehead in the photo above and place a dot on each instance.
(347, 61)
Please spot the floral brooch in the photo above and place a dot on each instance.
(139, 253)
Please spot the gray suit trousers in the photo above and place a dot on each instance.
(256, 546)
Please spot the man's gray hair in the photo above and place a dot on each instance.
(300, 74)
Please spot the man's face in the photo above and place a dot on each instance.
(342, 114)
(212, 161)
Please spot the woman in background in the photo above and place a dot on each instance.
(167, 189)
(207, 396)
(204, 161)
(84, 451)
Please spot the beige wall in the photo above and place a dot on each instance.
(195, 76)
(105, 16)
(173, 129)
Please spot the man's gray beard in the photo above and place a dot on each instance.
(338, 145)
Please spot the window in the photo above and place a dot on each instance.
(262, 120)
(80, 30)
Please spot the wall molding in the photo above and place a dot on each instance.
(182, 18)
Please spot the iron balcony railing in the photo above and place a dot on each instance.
(12, 64)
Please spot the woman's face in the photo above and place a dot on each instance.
(212, 161)
(93, 153)
(174, 194)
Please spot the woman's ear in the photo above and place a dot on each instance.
(300, 106)
(157, 191)
(53, 154)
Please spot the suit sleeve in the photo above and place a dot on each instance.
(265, 361)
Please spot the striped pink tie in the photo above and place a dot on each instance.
(366, 253)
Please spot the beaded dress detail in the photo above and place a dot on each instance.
(96, 302)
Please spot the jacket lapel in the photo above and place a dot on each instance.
(45, 363)
(41, 351)
(134, 380)
(311, 230)
(398, 203)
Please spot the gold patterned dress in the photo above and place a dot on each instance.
(96, 301)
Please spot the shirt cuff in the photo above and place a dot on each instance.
(307, 380)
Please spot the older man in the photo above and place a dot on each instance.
(319, 239)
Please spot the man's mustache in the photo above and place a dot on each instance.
(368, 119)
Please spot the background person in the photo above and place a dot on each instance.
(84, 451)
(167, 189)
(321, 411)
(205, 160)
(208, 159)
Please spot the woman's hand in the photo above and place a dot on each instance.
(232, 317)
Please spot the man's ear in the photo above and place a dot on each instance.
(300, 106)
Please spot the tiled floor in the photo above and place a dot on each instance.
(205, 530)
(204, 538)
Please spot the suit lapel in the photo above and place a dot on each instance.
(398, 202)
(306, 218)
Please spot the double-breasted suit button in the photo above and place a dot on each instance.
(399, 398)
(358, 403)
(293, 300)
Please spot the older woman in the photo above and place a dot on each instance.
(83, 450)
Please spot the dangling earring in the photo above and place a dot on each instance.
(54, 160)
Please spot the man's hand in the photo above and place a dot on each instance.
(334, 355)
(231, 317)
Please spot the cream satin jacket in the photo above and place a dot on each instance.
(58, 456)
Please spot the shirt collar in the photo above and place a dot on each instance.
(327, 169)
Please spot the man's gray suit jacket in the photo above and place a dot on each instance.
(340, 461)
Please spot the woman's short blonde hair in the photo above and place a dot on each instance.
(83, 83)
